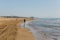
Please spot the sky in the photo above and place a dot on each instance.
(27, 8)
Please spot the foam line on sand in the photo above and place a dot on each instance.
(37, 33)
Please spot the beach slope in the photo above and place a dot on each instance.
(10, 29)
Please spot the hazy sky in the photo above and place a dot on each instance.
(37, 8)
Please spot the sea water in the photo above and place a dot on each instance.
(46, 28)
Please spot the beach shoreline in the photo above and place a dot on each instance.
(37, 33)
(25, 32)
(12, 31)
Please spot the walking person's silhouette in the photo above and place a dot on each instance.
(24, 22)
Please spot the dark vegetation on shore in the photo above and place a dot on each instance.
(12, 17)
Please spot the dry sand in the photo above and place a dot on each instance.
(10, 29)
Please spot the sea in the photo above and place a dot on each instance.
(45, 28)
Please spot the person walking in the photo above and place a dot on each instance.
(24, 22)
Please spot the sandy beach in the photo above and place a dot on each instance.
(10, 29)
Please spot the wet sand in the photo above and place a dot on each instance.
(23, 34)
